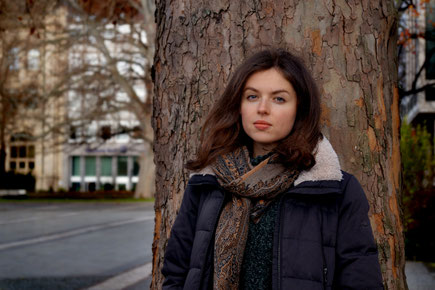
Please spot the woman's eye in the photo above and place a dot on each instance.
(251, 97)
(280, 99)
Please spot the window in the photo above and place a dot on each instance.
(22, 151)
(122, 166)
(91, 186)
(14, 59)
(122, 186)
(430, 94)
(33, 59)
(75, 186)
(76, 166)
(108, 186)
(106, 166)
(105, 132)
(121, 135)
(72, 132)
(31, 151)
(91, 131)
(135, 166)
(430, 40)
(14, 152)
(90, 166)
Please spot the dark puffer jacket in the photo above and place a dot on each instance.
(322, 238)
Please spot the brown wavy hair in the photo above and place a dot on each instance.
(223, 132)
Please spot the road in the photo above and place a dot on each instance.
(419, 277)
(75, 245)
(93, 246)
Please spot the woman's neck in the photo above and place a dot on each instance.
(261, 149)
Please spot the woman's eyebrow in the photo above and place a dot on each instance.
(273, 93)
(280, 91)
(249, 88)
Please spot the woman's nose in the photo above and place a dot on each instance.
(263, 107)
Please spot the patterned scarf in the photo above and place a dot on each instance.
(252, 188)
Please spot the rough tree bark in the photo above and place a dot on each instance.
(350, 47)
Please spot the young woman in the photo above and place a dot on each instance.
(268, 206)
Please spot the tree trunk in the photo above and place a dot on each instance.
(350, 47)
(146, 185)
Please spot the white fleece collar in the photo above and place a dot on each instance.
(327, 166)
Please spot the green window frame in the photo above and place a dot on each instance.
(75, 166)
(90, 166)
(106, 165)
(122, 166)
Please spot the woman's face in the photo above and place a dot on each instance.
(268, 109)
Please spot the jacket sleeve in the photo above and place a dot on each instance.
(356, 252)
(178, 251)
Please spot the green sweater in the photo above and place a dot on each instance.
(257, 260)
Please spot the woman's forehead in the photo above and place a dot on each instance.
(268, 80)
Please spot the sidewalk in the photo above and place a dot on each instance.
(137, 277)
(419, 277)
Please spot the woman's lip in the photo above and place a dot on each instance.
(261, 122)
(261, 126)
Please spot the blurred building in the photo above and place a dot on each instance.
(53, 134)
(418, 66)
(29, 71)
(104, 151)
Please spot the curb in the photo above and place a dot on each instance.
(125, 279)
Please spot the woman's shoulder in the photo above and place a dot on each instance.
(353, 192)
(347, 176)
(349, 180)
(201, 184)
(203, 176)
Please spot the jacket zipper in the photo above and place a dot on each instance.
(325, 268)
(325, 279)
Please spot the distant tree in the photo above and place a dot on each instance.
(107, 46)
(418, 197)
(412, 27)
(417, 159)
